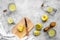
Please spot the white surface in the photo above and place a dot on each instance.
(31, 9)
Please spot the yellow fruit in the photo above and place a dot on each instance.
(36, 33)
(51, 32)
(10, 20)
(20, 28)
(38, 26)
(49, 9)
(44, 17)
(12, 7)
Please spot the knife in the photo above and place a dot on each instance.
(26, 27)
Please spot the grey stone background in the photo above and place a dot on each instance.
(32, 10)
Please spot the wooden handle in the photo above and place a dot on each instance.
(27, 33)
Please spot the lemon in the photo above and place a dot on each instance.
(38, 26)
(36, 33)
(12, 7)
(51, 32)
(49, 9)
(10, 20)
(20, 28)
(44, 17)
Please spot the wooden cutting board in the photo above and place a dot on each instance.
(22, 22)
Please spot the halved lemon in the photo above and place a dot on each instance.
(10, 20)
(51, 33)
(36, 32)
(38, 26)
(49, 9)
(20, 28)
(12, 7)
(44, 17)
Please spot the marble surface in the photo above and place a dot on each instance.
(32, 10)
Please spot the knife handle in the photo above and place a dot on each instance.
(27, 33)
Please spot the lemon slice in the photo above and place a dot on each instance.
(38, 26)
(36, 33)
(12, 7)
(49, 9)
(44, 17)
(10, 20)
(51, 32)
(20, 28)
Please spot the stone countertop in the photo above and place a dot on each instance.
(31, 9)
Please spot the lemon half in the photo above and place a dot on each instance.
(36, 33)
(10, 20)
(49, 9)
(38, 26)
(44, 17)
(51, 32)
(20, 28)
(12, 7)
